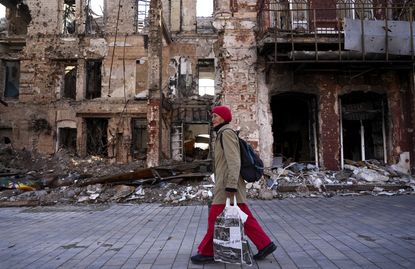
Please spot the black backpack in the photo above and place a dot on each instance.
(252, 167)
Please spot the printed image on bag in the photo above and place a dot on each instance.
(230, 243)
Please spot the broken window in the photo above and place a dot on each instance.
(185, 80)
(191, 113)
(204, 16)
(2, 11)
(299, 15)
(69, 15)
(97, 136)
(3, 20)
(363, 9)
(190, 142)
(204, 8)
(69, 82)
(14, 19)
(206, 68)
(6, 135)
(93, 79)
(352, 9)
(12, 76)
(294, 127)
(67, 139)
(139, 141)
(141, 79)
(196, 141)
(363, 126)
(95, 16)
(143, 6)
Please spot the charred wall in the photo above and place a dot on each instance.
(109, 72)
(381, 105)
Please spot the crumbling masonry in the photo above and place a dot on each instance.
(320, 82)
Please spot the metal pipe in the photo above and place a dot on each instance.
(315, 33)
(385, 157)
(362, 140)
(341, 135)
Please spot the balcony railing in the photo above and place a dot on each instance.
(349, 27)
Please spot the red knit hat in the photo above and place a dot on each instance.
(224, 112)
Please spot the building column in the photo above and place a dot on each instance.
(155, 44)
(237, 64)
(396, 123)
(329, 126)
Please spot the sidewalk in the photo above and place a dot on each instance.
(338, 232)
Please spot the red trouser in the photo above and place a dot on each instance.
(251, 227)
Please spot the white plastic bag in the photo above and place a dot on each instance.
(230, 243)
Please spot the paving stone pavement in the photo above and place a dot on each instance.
(338, 232)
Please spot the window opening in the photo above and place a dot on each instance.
(196, 141)
(363, 126)
(139, 141)
(299, 15)
(5, 135)
(143, 6)
(12, 75)
(3, 20)
(69, 83)
(345, 9)
(190, 141)
(93, 79)
(2, 12)
(67, 139)
(95, 16)
(294, 127)
(97, 136)
(17, 20)
(362, 9)
(206, 68)
(204, 8)
(141, 79)
(69, 13)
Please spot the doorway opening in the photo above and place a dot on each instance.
(363, 126)
(190, 142)
(139, 138)
(97, 136)
(67, 139)
(294, 127)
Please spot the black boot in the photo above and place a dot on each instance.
(201, 259)
(265, 251)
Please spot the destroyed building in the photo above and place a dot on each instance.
(317, 82)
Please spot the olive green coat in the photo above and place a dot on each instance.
(227, 166)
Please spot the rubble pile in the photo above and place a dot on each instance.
(30, 179)
(27, 178)
(364, 177)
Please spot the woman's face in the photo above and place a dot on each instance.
(216, 119)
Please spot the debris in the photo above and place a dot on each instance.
(403, 166)
(369, 175)
(19, 183)
(31, 179)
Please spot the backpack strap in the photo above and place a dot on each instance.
(221, 139)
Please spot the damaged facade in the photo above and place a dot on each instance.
(317, 82)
